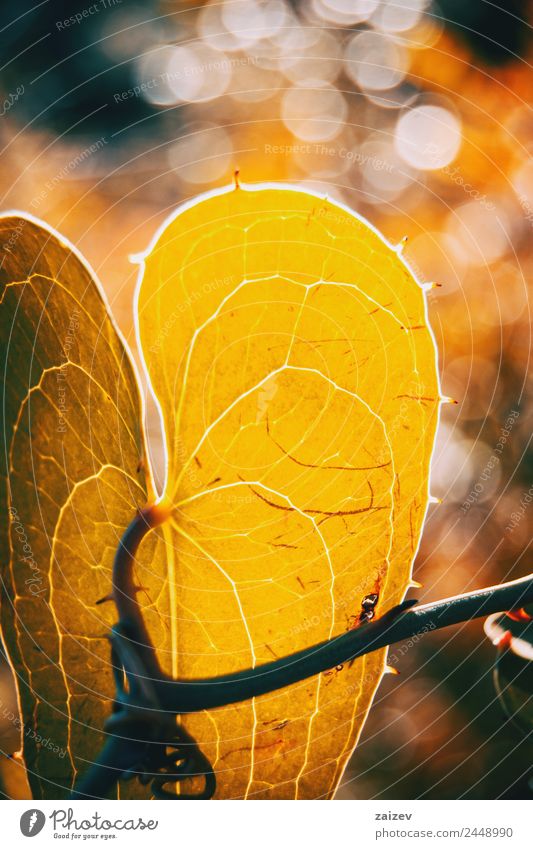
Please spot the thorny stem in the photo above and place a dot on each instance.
(153, 694)
(400, 623)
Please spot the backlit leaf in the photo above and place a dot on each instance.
(289, 351)
(71, 445)
(288, 348)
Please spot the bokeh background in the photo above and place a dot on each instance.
(417, 115)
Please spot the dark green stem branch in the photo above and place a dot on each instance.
(142, 723)
(398, 624)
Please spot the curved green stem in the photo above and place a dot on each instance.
(400, 623)
(143, 715)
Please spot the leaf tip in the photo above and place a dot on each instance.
(401, 244)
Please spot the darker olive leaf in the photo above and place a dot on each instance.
(70, 483)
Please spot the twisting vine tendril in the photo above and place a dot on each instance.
(144, 739)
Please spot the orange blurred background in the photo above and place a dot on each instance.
(416, 115)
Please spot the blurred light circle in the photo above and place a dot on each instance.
(481, 234)
(203, 155)
(383, 171)
(198, 73)
(239, 25)
(428, 137)
(152, 78)
(292, 41)
(523, 186)
(474, 380)
(436, 257)
(314, 111)
(485, 471)
(425, 33)
(508, 511)
(451, 466)
(399, 97)
(253, 83)
(375, 61)
(510, 281)
(398, 15)
(250, 21)
(316, 56)
(345, 12)
(398, 728)
(211, 29)
(320, 162)
(271, 52)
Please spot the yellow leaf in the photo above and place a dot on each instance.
(289, 351)
(288, 347)
(70, 484)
